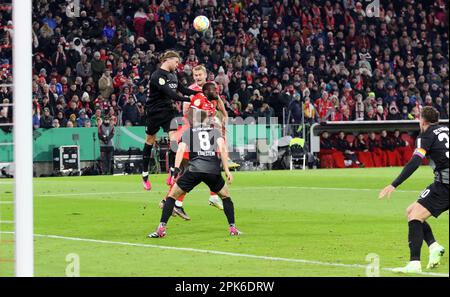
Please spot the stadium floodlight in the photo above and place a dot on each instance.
(23, 137)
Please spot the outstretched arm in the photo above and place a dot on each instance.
(407, 171)
(169, 92)
(186, 91)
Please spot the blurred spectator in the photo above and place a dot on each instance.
(141, 96)
(97, 66)
(83, 67)
(96, 117)
(46, 120)
(105, 84)
(105, 135)
(249, 112)
(265, 111)
(346, 147)
(130, 112)
(55, 123)
(4, 120)
(61, 119)
(82, 118)
(262, 50)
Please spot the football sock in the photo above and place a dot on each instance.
(415, 238)
(428, 234)
(228, 208)
(212, 194)
(178, 203)
(171, 157)
(167, 209)
(181, 198)
(146, 154)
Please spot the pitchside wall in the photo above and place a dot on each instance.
(44, 140)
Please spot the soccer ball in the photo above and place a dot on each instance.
(201, 23)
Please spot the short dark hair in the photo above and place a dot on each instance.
(208, 85)
(430, 114)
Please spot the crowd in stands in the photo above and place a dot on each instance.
(328, 59)
(365, 150)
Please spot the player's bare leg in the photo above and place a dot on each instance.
(167, 211)
(150, 140)
(228, 208)
(420, 230)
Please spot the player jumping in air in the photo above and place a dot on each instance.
(204, 144)
(214, 105)
(204, 102)
(433, 143)
(159, 108)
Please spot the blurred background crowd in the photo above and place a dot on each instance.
(327, 60)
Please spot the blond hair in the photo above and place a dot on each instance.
(200, 68)
(169, 54)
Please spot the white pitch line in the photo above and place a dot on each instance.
(89, 193)
(6, 202)
(235, 188)
(316, 188)
(213, 252)
(6, 222)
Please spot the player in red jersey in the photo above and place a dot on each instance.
(200, 101)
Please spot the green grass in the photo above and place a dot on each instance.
(294, 215)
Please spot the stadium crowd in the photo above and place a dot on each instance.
(329, 60)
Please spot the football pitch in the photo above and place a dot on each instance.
(295, 223)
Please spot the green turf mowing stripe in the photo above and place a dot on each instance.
(213, 252)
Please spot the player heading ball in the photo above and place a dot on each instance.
(159, 109)
(207, 150)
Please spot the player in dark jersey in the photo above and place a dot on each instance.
(159, 109)
(207, 150)
(432, 143)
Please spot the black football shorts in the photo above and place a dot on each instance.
(156, 120)
(435, 198)
(190, 180)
